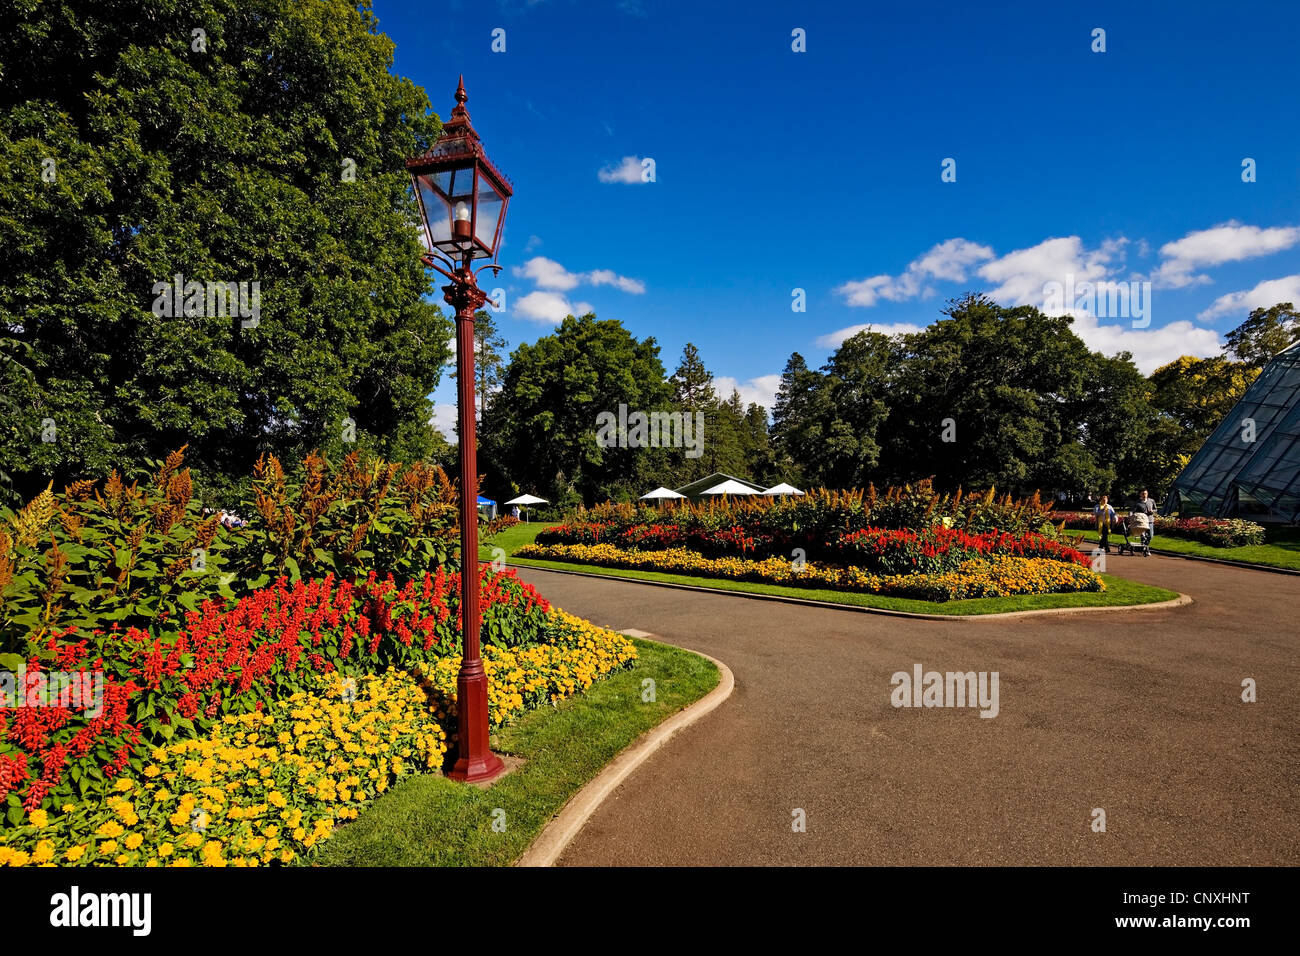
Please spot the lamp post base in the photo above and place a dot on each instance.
(475, 761)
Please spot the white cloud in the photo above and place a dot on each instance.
(444, 419)
(949, 260)
(1229, 242)
(834, 340)
(626, 171)
(1021, 275)
(547, 307)
(532, 243)
(549, 274)
(760, 390)
(609, 277)
(1265, 295)
(1151, 347)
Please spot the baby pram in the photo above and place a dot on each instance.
(1123, 526)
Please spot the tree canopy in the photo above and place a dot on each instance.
(221, 141)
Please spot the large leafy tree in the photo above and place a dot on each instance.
(225, 141)
(1264, 333)
(540, 430)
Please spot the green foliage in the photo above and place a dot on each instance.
(143, 553)
(1190, 397)
(230, 160)
(129, 554)
(1264, 333)
(360, 515)
(989, 396)
(539, 431)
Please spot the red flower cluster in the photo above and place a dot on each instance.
(230, 659)
(940, 542)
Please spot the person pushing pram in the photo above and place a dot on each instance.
(1138, 525)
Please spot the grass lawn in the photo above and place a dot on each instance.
(428, 820)
(1118, 590)
(512, 539)
(1281, 548)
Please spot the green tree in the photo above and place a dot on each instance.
(797, 421)
(1264, 333)
(1013, 398)
(540, 431)
(268, 148)
(1190, 397)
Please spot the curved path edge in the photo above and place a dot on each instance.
(556, 836)
(1179, 601)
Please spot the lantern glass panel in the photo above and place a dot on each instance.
(437, 208)
(490, 204)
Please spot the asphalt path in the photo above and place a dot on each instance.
(1136, 713)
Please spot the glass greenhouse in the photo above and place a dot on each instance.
(1250, 466)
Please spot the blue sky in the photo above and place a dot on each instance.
(821, 170)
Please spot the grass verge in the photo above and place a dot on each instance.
(428, 820)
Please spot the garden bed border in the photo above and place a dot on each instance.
(1179, 601)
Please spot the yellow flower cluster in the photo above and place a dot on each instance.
(577, 654)
(263, 788)
(996, 576)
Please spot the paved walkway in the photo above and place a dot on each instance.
(1135, 712)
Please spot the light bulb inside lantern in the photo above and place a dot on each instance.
(462, 212)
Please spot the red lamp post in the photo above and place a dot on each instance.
(463, 200)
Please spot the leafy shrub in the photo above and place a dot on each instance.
(358, 516)
(129, 554)
(143, 554)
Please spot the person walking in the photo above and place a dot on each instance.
(1105, 515)
(1148, 506)
(1139, 522)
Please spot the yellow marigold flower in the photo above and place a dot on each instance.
(276, 799)
(75, 854)
(133, 841)
(108, 848)
(122, 859)
(38, 818)
(44, 852)
(110, 828)
(165, 850)
(123, 785)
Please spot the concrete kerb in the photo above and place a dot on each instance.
(1179, 601)
(559, 833)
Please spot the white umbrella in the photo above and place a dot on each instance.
(660, 493)
(730, 487)
(527, 500)
(783, 489)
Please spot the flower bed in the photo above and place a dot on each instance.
(1216, 532)
(767, 527)
(885, 551)
(232, 661)
(993, 576)
(266, 786)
